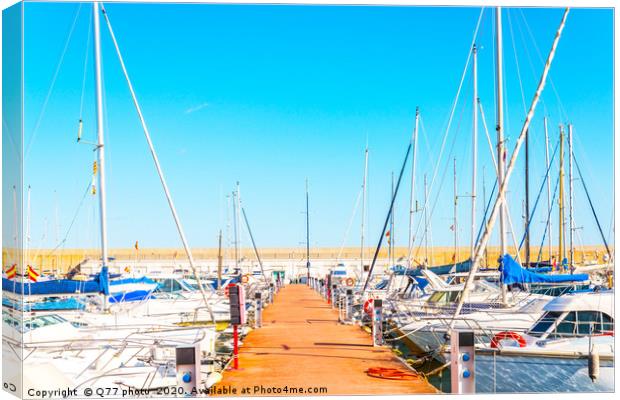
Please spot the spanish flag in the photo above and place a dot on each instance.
(387, 235)
(11, 271)
(32, 274)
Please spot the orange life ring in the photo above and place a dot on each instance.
(507, 335)
(245, 279)
(368, 306)
(350, 282)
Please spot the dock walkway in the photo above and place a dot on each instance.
(302, 345)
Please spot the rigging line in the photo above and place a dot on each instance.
(86, 53)
(443, 176)
(514, 49)
(561, 105)
(159, 170)
(454, 103)
(346, 234)
(531, 64)
(542, 186)
(583, 183)
(51, 88)
(387, 219)
(542, 244)
(75, 215)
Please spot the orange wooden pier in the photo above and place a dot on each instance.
(301, 349)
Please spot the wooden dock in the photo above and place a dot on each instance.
(303, 348)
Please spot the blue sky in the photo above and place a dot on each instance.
(270, 95)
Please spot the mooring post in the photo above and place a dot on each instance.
(271, 291)
(377, 322)
(349, 305)
(333, 295)
(258, 311)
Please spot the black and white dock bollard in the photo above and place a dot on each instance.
(349, 305)
(258, 311)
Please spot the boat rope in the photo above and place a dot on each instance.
(53, 84)
(346, 234)
(542, 186)
(539, 258)
(247, 225)
(598, 224)
(480, 248)
(158, 167)
(86, 53)
(450, 118)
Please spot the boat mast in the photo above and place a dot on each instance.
(475, 152)
(391, 238)
(527, 198)
(570, 196)
(414, 140)
(426, 260)
(307, 234)
(235, 228)
(363, 213)
(100, 147)
(561, 199)
(549, 199)
(500, 135)
(455, 226)
(219, 260)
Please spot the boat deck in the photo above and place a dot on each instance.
(302, 347)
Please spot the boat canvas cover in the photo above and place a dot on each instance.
(513, 272)
(461, 267)
(51, 287)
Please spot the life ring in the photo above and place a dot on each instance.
(245, 279)
(507, 335)
(368, 306)
(227, 289)
(350, 282)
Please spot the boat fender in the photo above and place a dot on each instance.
(368, 306)
(594, 365)
(350, 282)
(507, 335)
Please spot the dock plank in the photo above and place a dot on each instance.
(302, 345)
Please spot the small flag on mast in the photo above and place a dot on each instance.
(136, 246)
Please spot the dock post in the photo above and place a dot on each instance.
(333, 295)
(271, 293)
(349, 306)
(258, 310)
(377, 322)
(235, 346)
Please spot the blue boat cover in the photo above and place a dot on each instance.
(50, 305)
(56, 286)
(512, 272)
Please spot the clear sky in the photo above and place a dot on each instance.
(270, 95)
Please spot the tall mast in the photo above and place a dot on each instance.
(307, 233)
(363, 213)
(561, 200)
(412, 194)
(455, 226)
(426, 261)
(570, 196)
(219, 260)
(475, 153)
(484, 198)
(27, 252)
(500, 135)
(100, 146)
(527, 198)
(549, 199)
(237, 226)
(392, 226)
(235, 195)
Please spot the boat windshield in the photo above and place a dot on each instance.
(558, 324)
(444, 297)
(32, 323)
